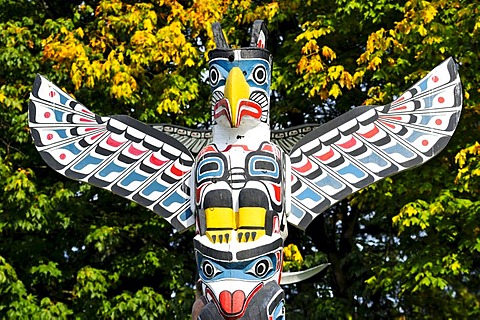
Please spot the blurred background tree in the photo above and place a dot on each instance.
(407, 247)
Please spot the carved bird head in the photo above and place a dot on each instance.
(240, 80)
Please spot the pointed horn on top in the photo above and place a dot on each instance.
(218, 36)
(259, 34)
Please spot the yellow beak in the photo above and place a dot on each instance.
(236, 89)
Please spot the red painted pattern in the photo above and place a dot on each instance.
(96, 136)
(388, 124)
(306, 167)
(135, 151)
(438, 122)
(156, 161)
(370, 133)
(199, 191)
(399, 108)
(112, 142)
(207, 149)
(441, 99)
(49, 136)
(239, 146)
(248, 108)
(85, 120)
(392, 117)
(350, 143)
(278, 192)
(279, 265)
(222, 108)
(327, 155)
(210, 297)
(276, 225)
(267, 147)
(232, 303)
(176, 171)
(209, 294)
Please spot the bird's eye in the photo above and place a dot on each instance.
(209, 269)
(259, 74)
(261, 268)
(214, 76)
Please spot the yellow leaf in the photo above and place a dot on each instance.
(272, 9)
(476, 27)
(455, 266)
(310, 47)
(422, 30)
(147, 24)
(189, 62)
(328, 53)
(358, 76)
(335, 90)
(410, 211)
(396, 218)
(376, 61)
(346, 79)
(335, 71)
(80, 32)
(429, 13)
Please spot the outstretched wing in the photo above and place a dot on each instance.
(116, 153)
(370, 143)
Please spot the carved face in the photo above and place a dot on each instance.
(240, 84)
(236, 281)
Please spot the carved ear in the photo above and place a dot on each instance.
(218, 36)
(259, 34)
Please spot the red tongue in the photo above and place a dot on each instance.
(232, 303)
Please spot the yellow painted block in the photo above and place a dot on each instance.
(251, 223)
(252, 217)
(223, 218)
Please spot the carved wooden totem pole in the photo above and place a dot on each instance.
(246, 181)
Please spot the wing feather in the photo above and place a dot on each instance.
(116, 153)
(370, 143)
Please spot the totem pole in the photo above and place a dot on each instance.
(240, 183)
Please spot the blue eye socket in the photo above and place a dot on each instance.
(209, 269)
(214, 76)
(261, 268)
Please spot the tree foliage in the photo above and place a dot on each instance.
(406, 247)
